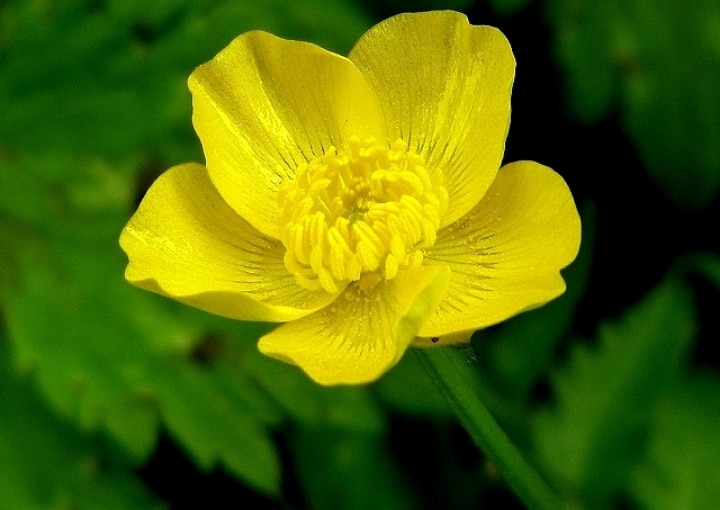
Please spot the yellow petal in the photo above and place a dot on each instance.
(445, 87)
(363, 333)
(265, 105)
(506, 254)
(185, 242)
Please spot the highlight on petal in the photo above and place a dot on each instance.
(506, 254)
(445, 88)
(185, 242)
(364, 332)
(264, 106)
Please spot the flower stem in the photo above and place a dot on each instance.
(449, 370)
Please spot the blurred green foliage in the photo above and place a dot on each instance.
(92, 371)
(47, 462)
(680, 469)
(596, 433)
(660, 62)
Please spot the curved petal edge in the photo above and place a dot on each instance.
(363, 333)
(186, 243)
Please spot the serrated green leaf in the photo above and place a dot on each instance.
(121, 378)
(114, 379)
(593, 436)
(87, 357)
(681, 469)
(48, 464)
(107, 355)
(658, 60)
(216, 424)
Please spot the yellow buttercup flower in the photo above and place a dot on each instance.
(359, 200)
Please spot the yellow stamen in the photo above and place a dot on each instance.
(359, 214)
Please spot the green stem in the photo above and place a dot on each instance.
(452, 375)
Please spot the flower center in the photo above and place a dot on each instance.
(359, 215)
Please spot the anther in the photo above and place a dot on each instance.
(359, 214)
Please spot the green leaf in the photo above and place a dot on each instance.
(118, 378)
(46, 463)
(346, 470)
(73, 87)
(593, 436)
(309, 404)
(658, 61)
(69, 325)
(107, 355)
(584, 46)
(216, 424)
(681, 469)
(112, 80)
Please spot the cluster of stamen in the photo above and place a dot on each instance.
(359, 214)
